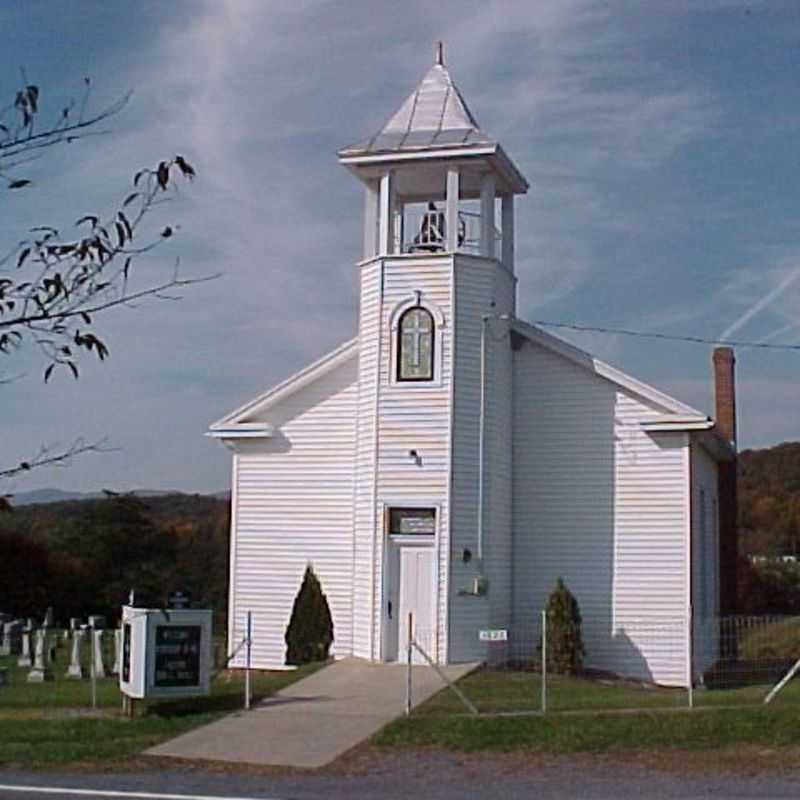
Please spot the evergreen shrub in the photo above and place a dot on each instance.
(310, 631)
(565, 649)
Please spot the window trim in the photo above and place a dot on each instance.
(398, 360)
(417, 300)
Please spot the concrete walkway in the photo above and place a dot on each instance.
(315, 720)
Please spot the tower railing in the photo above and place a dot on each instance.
(425, 231)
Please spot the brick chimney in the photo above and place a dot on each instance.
(725, 414)
(725, 392)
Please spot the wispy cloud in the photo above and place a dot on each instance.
(761, 304)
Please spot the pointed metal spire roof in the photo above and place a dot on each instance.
(434, 116)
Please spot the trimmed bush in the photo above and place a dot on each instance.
(310, 632)
(565, 649)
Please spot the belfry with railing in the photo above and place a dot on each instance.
(435, 182)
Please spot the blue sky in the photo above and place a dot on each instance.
(660, 140)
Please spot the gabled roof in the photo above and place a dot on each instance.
(676, 416)
(238, 424)
(434, 116)
(583, 359)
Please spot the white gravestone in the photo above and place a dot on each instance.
(74, 670)
(41, 668)
(117, 666)
(24, 659)
(11, 644)
(97, 654)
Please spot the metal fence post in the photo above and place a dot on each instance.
(249, 635)
(544, 662)
(92, 667)
(408, 665)
(690, 657)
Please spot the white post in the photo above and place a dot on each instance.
(408, 664)
(386, 215)
(370, 221)
(399, 225)
(507, 222)
(487, 215)
(247, 662)
(544, 662)
(451, 210)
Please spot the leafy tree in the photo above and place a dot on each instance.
(54, 284)
(310, 631)
(83, 556)
(24, 572)
(565, 649)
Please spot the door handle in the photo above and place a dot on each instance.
(390, 609)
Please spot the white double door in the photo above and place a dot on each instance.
(410, 590)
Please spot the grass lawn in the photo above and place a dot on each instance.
(601, 733)
(51, 724)
(662, 722)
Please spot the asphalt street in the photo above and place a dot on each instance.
(417, 775)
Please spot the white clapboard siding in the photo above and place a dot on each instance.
(414, 417)
(602, 504)
(365, 511)
(482, 287)
(294, 506)
(705, 565)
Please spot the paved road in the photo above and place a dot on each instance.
(425, 775)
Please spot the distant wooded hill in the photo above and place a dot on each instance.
(84, 556)
(769, 501)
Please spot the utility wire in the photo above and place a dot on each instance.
(645, 335)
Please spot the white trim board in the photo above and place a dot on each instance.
(286, 388)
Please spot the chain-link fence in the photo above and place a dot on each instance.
(633, 664)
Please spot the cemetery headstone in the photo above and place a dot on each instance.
(97, 653)
(97, 622)
(24, 659)
(117, 666)
(75, 670)
(11, 644)
(40, 671)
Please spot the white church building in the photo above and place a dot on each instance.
(453, 461)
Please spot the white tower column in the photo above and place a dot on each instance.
(370, 220)
(487, 214)
(451, 210)
(508, 231)
(386, 212)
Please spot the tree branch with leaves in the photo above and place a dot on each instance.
(53, 287)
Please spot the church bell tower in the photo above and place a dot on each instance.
(437, 292)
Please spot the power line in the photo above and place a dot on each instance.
(668, 337)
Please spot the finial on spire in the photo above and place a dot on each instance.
(440, 54)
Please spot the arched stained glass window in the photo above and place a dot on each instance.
(415, 339)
